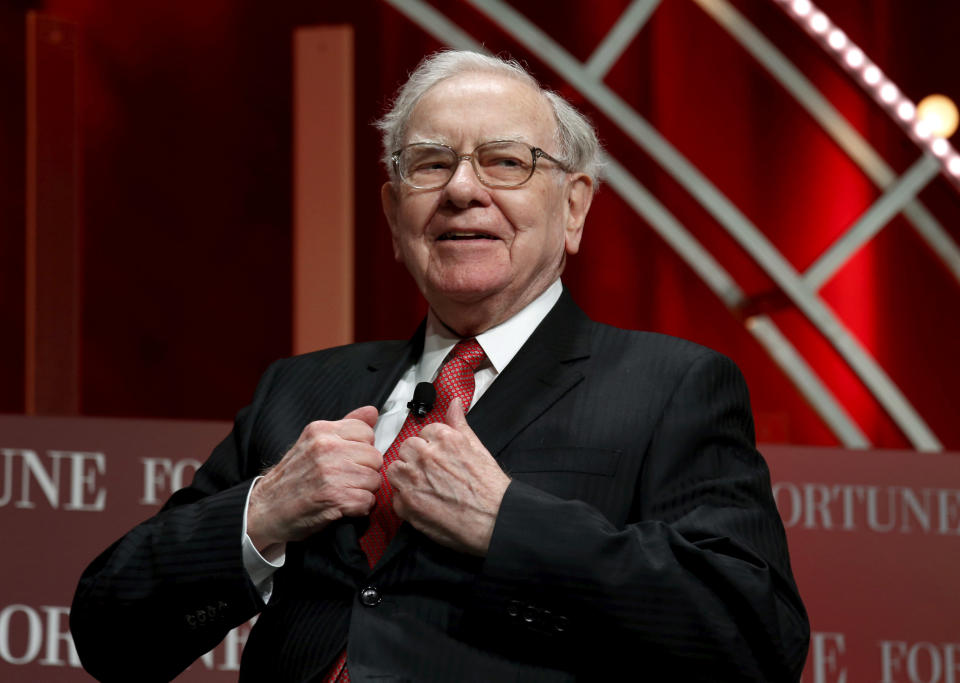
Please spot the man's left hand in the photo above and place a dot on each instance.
(448, 485)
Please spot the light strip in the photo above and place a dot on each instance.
(807, 382)
(674, 233)
(837, 127)
(883, 90)
(764, 329)
(619, 37)
(436, 24)
(872, 221)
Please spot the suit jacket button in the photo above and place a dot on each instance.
(370, 596)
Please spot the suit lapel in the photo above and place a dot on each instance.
(373, 384)
(374, 380)
(543, 370)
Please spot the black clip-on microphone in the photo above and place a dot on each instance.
(424, 396)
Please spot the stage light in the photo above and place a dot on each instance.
(837, 39)
(888, 93)
(940, 114)
(819, 22)
(906, 111)
(801, 7)
(929, 124)
(854, 57)
(872, 75)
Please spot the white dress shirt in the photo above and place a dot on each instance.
(500, 344)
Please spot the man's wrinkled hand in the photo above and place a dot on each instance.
(332, 471)
(447, 485)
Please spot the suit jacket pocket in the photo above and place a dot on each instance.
(565, 459)
(574, 473)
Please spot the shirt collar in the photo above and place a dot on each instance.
(499, 343)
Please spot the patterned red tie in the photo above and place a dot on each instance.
(454, 381)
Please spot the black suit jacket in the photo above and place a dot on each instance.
(638, 533)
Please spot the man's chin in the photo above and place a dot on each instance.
(466, 309)
(467, 285)
(463, 294)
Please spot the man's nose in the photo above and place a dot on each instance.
(464, 187)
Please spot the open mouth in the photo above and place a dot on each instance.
(465, 236)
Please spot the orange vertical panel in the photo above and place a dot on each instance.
(52, 330)
(323, 249)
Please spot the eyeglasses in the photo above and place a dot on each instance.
(498, 164)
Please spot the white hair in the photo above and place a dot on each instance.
(575, 136)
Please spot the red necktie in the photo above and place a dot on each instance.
(454, 381)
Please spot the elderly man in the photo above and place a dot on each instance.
(517, 493)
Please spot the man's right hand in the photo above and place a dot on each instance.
(332, 471)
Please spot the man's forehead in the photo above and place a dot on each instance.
(453, 137)
(483, 106)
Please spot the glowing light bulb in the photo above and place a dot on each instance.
(940, 147)
(872, 75)
(888, 93)
(802, 7)
(940, 114)
(819, 22)
(954, 166)
(906, 111)
(837, 39)
(854, 57)
(922, 130)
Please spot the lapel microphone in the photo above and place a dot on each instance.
(424, 396)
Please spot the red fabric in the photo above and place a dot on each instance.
(338, 672)
(455, 381)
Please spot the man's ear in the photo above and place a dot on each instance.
(389, 201)
(579, 198)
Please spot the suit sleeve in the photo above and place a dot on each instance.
(696, 587)
(171, 588)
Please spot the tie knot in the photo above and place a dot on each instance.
(469, 352)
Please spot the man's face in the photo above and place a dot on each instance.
(478, 254)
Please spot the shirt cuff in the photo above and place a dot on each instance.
(260, 567)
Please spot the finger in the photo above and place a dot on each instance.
(408, 450)
(326, 435)
(358, 424)
(399, 507)
(364, 455)
(365, 478)
(366, 414)
(456, 418)
(398, 472)
(401, 478)
(360, 503)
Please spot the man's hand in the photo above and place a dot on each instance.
(331, 472)
(448, 485)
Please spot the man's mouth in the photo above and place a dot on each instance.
(465, 236)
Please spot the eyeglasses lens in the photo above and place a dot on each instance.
(499, 164)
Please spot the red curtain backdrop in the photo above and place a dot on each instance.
(186, 131)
